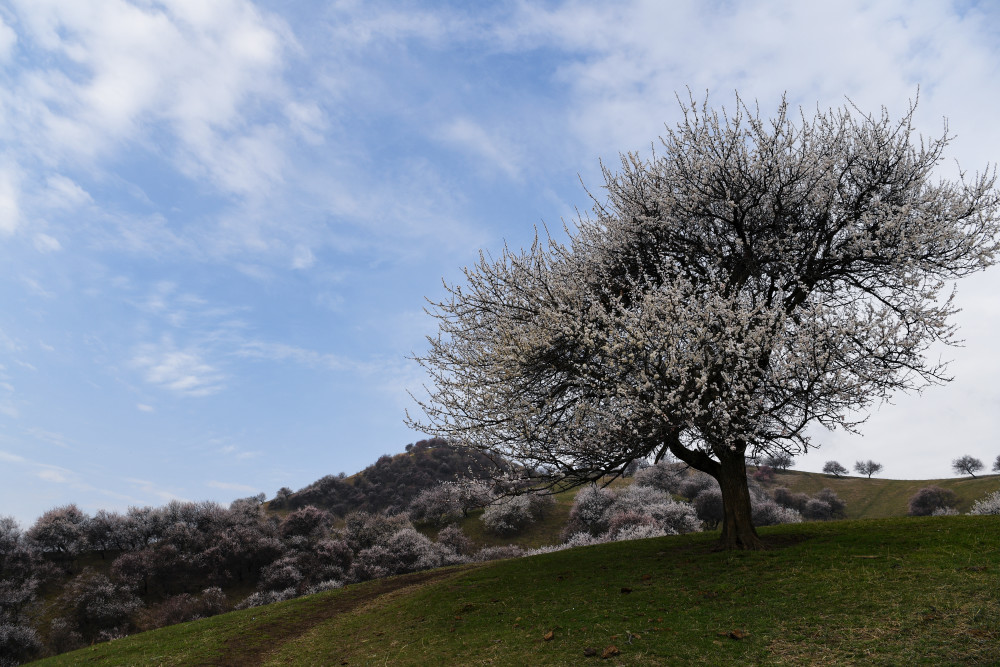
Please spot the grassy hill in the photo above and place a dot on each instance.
(881, 591)
(878, 498)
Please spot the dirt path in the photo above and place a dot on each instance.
(250, 650)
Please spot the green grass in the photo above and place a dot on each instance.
(882, 591)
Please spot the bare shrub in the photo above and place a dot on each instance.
(708, 506)
(785, 498)
(930, 498)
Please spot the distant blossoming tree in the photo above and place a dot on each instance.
(779, 460)
(834, 468)
(967, 465)
(868, 468)
(751, 278)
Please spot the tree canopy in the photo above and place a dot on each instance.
(750, 278)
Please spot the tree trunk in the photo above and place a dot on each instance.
(737, 523)
(731, 474)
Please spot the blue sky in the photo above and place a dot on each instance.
(219, 220)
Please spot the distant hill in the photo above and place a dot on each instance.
(391, 482)
(877, 498)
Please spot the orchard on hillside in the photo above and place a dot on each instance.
(752, 277)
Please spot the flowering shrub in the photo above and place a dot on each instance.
(305, 522)
(945, 511)
(498, 553)
(404, 551)
(838, 508)
(449, 501)
(323, 586)
(96, 605)
(511, 514)
(663, 476)
(627, 520)
(281, 574)
(587, 512)
(694, 483)
(784, 497)
(607, 512)
(763, 474)
(184, 607)
(766, 512)
(988, 505)
(452, 537)
(436, 506)
(18, 644)
(363, 530)
(262, 598)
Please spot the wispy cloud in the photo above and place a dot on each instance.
(230, 486)
(152, 489)
(52, 475)
(190, 66)
(181, 371)
(471, 137)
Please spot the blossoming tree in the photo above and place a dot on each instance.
(751, 278)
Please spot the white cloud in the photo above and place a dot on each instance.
(152, 489)
(305, 357)
(302, 257)
(36, 288)
(307, 120)
(629, 59)
(473, 138)
(10, 208)
(52, 475)
(183, 372)
(142, 407)
(46, 244)
(12, 458)
(190, 67)
(63, 193)
(8, 38)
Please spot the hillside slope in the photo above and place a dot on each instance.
(887, 591)
(877, 498)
